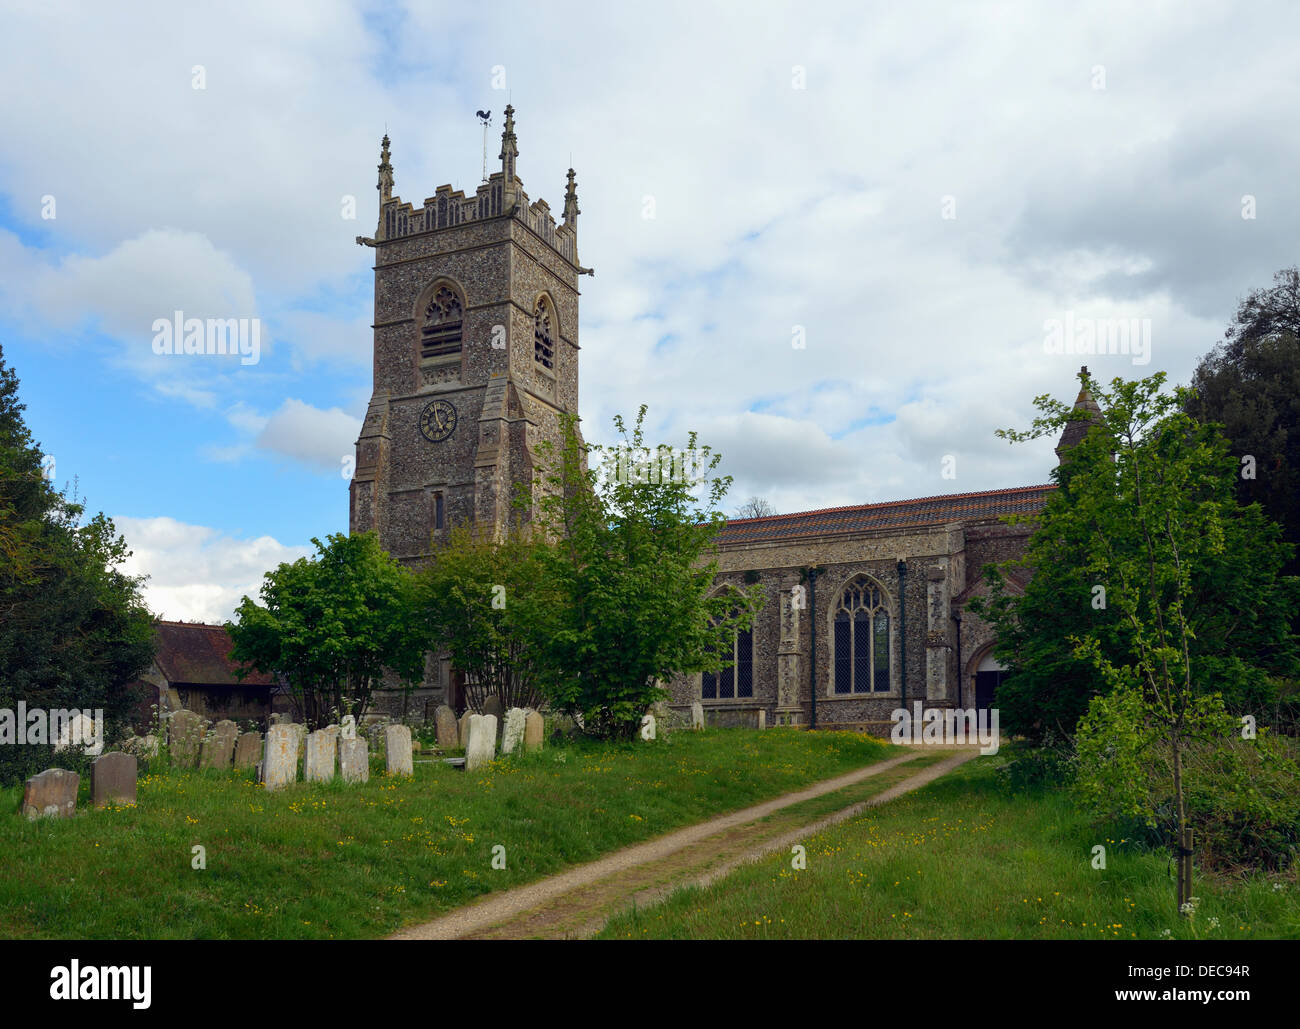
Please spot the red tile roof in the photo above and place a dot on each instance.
(896, 514)
(191, 652)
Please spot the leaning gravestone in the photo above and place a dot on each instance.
(448, 731)
(397, 750)
(492, 706)
(482, 741)
(248, 750)
(354, 760)
(112, 779)
(464, 728)
(218, 748)
(280, 766)
(533, 730)
(697, 715)
(51, 794)
(322, 745)
(513, 735)
(184, 735)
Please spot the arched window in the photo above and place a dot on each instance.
(737, 679)
(861, 639)
(443, 317)
(543, 341)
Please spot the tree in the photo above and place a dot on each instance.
(1250, 384)
(755, 507)
(632, 601)
(74, 631)
(468, 603)
(1146, 508)
(1238, 607)
(330, 625)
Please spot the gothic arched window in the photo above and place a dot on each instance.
(737, 679)
(442, 324)
(543, 342)
(861, 639)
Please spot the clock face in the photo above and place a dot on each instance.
(437, 420)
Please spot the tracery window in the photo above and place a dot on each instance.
(543, 342)
(443, 320)
(736, 681)
(861, 639)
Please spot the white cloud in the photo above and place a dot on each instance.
(308, 434)
(198, 573)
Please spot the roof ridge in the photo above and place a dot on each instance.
(891, 503)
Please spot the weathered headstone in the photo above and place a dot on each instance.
(513, 735)
(280, 765)
(464, 728)
(397, 750)
(354, 760)
(248, 750)
(697, 715)
(322, 746)
(51, 794)
(533, 730)
(348, 728)
(762, 718)
(448, 731)
(492, 706)
(184, 736)
(112, 779)
(482, 741)
(218, 748)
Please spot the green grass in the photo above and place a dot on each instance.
(961, 858)
(335, 861)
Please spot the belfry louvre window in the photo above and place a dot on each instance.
(737, 680)
(543, 344)
(861, 639)
(442, 324)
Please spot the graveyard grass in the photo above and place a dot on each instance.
(962, 858)
(334, 861)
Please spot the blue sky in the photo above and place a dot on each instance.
(914, 189)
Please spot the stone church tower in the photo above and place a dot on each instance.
(475, 355)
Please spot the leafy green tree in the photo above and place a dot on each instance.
(1238, 604)
(1250, 384)
(628, 601)
(1146, 508)
(74, 631)
(468, 602)
(329, 627)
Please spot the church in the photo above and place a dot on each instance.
(476, 361)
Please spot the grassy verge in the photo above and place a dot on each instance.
(963, 859)
(327, 861)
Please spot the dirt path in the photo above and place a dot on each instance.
(577, 903)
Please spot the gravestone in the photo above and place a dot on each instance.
(322, 746)
(492, 706)
(280, 765)
(464, 728)
(397, 750)
(354, 760)
(762, 718)
(112, 779)
(218, 748)
(697, 715)
(52, 794)
(248, 750)
(348, 728)
(448, 731)
(83, 732)
(184, 736)
(482, 741)
(513, 735)
(533, 730)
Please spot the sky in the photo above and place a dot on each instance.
(843, 242)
